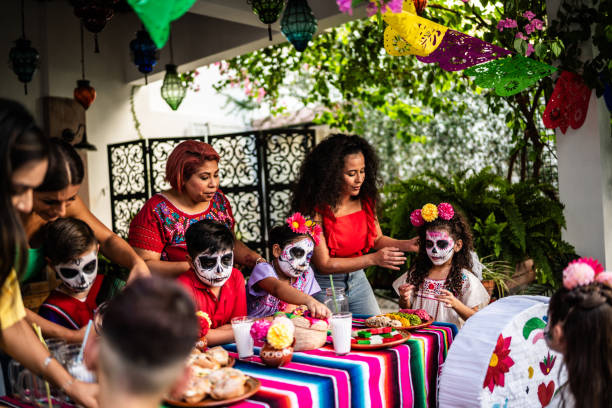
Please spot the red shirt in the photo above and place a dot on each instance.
(350, 235)
(160, 227)
(230, 303)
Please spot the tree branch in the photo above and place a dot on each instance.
(479, 21)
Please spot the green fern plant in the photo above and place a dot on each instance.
(512, 222)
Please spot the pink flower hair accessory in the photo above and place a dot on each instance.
(445, 211)
(579, 272)
(303, 225)
(604, 278)
(416, 219)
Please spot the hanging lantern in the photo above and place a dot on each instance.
(298, 24)
(84, 93)
(267, 11)
(23, 57)
(144, 53)
(172, 90)
(94, 15)
(419, 5)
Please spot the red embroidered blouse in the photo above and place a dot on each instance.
(160, 227)
(350, 235)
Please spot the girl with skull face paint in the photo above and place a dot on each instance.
(289, 280)
(72, 251)
(441, 280)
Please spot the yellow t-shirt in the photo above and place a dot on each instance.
(11, 304)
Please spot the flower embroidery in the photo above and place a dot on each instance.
(499, 364)
(547, 364)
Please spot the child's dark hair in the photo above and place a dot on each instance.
(66, 239)
(586, 315)
(283, 235)
(459, 230)
(208, 235)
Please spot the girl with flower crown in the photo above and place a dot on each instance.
(441, 280)
(287, 281)
(580, 327)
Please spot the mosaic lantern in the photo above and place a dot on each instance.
(84, 93)
(419, 5)
(24, 61)
(267, 11)
(144, 52)
(172, 90)
(298, 24)
(94, 14)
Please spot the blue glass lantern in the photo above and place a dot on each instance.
(298, 24)
(144, 52)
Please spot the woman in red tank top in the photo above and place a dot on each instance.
(338, 188)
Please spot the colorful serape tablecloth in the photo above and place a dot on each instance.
(401, 376)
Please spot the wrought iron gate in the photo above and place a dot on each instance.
(256, 171)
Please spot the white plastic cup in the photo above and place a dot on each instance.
(242, 335)
(341, 328)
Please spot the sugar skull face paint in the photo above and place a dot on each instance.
(295, 258)
(214, 269)
(79, 274)
(439, 245)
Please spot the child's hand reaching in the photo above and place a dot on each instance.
(406, 292)
(449, 299)
(318, 309)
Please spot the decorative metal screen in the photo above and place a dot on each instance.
(256, 171)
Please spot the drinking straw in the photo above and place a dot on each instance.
(79, 358)
(331, 280)
(42, 340)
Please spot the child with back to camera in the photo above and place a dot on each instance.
(288, 280)
(441, 280)
(580, 328)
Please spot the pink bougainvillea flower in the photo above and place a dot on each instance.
(537, 24)
(521, 36)
(297, 223)
(605, 278)
(465, 1)
(547, 364)
(345, 6)
(499, 364)
(529, 29)
(445, 211)
(395, 5)
(371, 9)
(529, 50)
(416, 219)
(529, 15)
(578, 273)
(507, 23)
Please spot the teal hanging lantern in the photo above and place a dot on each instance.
(267, 11)
(298, 24)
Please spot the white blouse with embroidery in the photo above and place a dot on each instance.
(473, 294)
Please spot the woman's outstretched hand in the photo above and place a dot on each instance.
(406, 292)
(389, 257)
(411, 245)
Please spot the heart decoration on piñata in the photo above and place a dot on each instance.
(569, 103)
(510, 75)
(545, 393)
(459, 51)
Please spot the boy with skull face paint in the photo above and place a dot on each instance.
(288, 280)
(72, 251)
(442, 280)
(216, 287)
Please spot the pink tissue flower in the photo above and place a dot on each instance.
(259, 329)
(605, 278)
(445, 211)
(521, 36)
(593, 263)
(529, 15)
(416, 218)
(345, 6)
(529, 50)
(576, 274)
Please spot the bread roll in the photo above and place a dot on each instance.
(219, 354)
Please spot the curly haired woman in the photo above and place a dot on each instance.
(338, 188)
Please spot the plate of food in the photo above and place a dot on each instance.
(213, 382)
(406, 319)
(377, 338)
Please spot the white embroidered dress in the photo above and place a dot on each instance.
(473, 294)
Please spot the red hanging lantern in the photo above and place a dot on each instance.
(94, 15)
(84, 93)
(419, 5)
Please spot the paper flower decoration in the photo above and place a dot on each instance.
(259, 329)
(568, 104)
(297, 223)
(429, 212)
(316, 233)
(416, 218)
(499, 364)
(280, 334)
(547, 364)
(446, 211)
(205, 322)
(578, 273)
(459, 51)
(604, 278)
(510, 75)
(156, 16)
